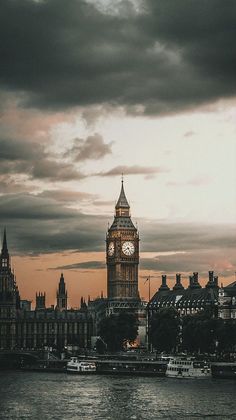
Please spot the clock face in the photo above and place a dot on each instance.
(128, 248)
(111, 249)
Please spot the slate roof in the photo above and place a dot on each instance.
(186, 298)
(195, 296)
(122, 200)
(122, 223)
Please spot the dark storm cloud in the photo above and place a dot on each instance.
(169, 56)
(199, 260)
(55, 170)
(12, 150)
(27, 157)
(37, 224)
(133, 170)
(31, 159)
(88, 265)
(165, 237)
(92, 148)
(66, 196)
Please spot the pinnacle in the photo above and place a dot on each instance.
(122, 201)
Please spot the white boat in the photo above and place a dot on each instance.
(178, 367)
(80, 366)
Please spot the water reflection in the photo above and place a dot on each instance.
(58, 396)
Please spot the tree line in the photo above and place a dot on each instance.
(170, 332)
(192, 333)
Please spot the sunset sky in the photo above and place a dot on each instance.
(93, 89)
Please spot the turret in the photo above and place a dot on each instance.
(61, 295)
(83, 305)
(4, 257)
(40, 301)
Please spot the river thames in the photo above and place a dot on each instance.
(60, 396)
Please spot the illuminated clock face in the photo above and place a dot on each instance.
(111, 249)
(128, 248)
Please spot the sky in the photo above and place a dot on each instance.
(93, 89)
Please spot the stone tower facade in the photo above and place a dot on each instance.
(62, 295)
(9, 299)
(122, 253)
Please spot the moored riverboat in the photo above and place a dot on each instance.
(224, 370)
(179, 367)
(77, 366)
(131, 367)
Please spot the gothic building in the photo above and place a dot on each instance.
(9, 299)
(62, 295)
(122, 253)
(54, 327)
(122, 258)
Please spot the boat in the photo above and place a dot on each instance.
(77, 366)
(224, 370)
(179, 367)
(131, 367)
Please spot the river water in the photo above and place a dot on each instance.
(51, 396)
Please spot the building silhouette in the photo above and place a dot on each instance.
(122, 258)
(186, 301)
(62, 327)
(62, 295)
(9, 299)
(122, 253)
(227, 301)
(43, 327)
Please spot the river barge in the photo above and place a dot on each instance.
(131, 367)
(224, 370)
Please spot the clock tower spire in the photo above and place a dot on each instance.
(122, 253)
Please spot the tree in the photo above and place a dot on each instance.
(100, 346)
(200, 333)
(117, 330)
(164, 329)
(226, 335)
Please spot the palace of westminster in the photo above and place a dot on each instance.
(60, 326)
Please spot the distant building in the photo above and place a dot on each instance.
(60, 327)
(191, 300)
(25, 305)
(227, 301)
(9, 299)
(62, 295)
(23, 328)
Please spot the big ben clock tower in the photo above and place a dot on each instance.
(122, 254)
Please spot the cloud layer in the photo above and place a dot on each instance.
(38, 224)
(167, 57)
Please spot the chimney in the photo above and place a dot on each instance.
(190, 282)
(216, 281)
(213, 280)
(195, 283)
(163, 283)
(211, 276)
(178, 285)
